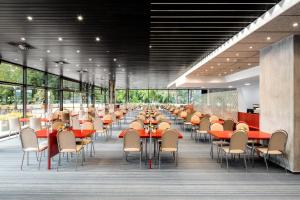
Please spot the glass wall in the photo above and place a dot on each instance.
(121, 96)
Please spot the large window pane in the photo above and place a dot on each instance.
(172, 96)
(120, 96)
(35, 101)
(53, 81)
(70, 85)
(158, 96)
(68, 100)
(99, 97)
(138, 96)
(11, 105)
(182, 96)
(35, 77)
(53, 100)
(11, 73)
(196, 96)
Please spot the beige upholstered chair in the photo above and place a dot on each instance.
(30, 143)
(228, 125)
(216, 142)
(242, 126)
(276, 147)
(65, 117)
(164, 125)
(203, 128)
(75, 123)
(136, 125)
(132, 143)
(199, 114)
(107, 117)
(89, 140)
(98, 126)
(237, 146)
(141, 117)
(14, 126)
(169, 143)
(195, 120)
(35, 123)
(213, 119)
(67, 144)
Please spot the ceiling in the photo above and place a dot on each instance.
(143, 44)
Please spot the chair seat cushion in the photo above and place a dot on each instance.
(199, 131)
(219, 143)
(132, 149)
(264, 150)
(168, 149)
(78, 148)
(188, 123)
(84, 142)
(233, 151)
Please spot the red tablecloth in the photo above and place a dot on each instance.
(144, 134)
(78, 133)
(252, 135)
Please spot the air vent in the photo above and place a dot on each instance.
(22, 45)
(61, 62)
(82, 71)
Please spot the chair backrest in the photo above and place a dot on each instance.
(228, 125)
(14, 124)
(164, 126)
(107, 117)
(242, 126)
(216, 127)
(76, 123)
(213, 119)
(142, 117)
(238, 140)
(183, 114)
(195, 119)
(29, 139)
(98, 124)
(204, 124)
(57, 125)
(35, 123)
(199, 114)
(136, 125)
(65, 117)
(87, 126)
(169, 139)
(118, 113)
(132, 139)
(278, 141)
(66, 140)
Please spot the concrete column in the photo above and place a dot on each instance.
(280, 94)
(111, 90)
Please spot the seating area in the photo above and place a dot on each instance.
(149, 99)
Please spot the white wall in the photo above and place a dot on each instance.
(247, 96)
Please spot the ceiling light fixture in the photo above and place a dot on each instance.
(212, 67)
(16, 59)
(29, 18)
(119, 65)
(79, 17)
(41, 59)
(295, 24)
(48, 51)
(98, 39)
(77, 65)
(247, 84)
(268, 38)
(249, 64)
(251, 47)
(230, 86)
(90, 59)
(237, 54)
(60, 39)
(115, 59)
(23, 39)
(78, 51)
(219, 64)
(228, 59)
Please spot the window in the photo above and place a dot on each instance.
(120, 96)
(99, 97)
(53, 81)
(68, 100)
(11, 105)
(11, 73)
(158, 96)
(35, 77)
(182, 96)
(138, 96)
(53, 100)
(71, 85)
(172, 96)
(35, 102)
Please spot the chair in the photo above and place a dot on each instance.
(14, 126)
(164, 125)
(203, 128)
(98, 126)
(65, 117)
(216, 142)
(35, 123)
(136, 125)
(30, 143)
(195, 120)
(67, 144)
(228, 125)
(132, 143)
(213, 119)
(75, 123)
(169, 143)
(57, 125)
(199, 114)
(242, 126)
(88, 140)
(276, 147)
(237, 146)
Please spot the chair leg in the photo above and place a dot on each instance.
(245, 162)
(22, 160)
(212, 151)
(266, 162)
(176, 161)
(226, 156)
(27, 158)
(40, 159)
(76, 161)
(141, 159)
(159, 160)
(284, 162)
(58, 162)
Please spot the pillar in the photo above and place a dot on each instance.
(280, 94)
(111, 91)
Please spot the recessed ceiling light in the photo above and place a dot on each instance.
(41, 59)
(79, 17)
(104, 70)
(115, 59)
(48, 51)
(107, 51)
(295, 24)
(77, 65)
(60, 39)
(249, 64)
(29, 18)
(206, 70)
(268, 38)
(247, 84)
(16, 59)
(231, 70)
(211, 67)
(219, 64)
(123, 70)
(219, 74)
(228, 59)
(230, 86)
(237, 54)
(65, 59)
(23, 39)
(225, 72)
(78, 51)
(98, 65)
(98, 39)
(56, 65)
(251, 47)
(150, 46)
(90, 59)
(119, 65)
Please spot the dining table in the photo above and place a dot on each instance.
(51, 136)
